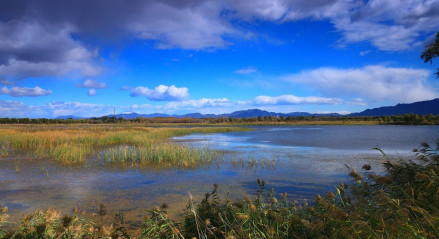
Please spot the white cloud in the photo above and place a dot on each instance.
(161, 93)
(357, 101)
(293, 100)
(196, 25)
(363, 53)
(373, 82)
(24, 91)
(391, 25)
(13, 109)
(199, 104)
(59, 108)
(91, 92)
(53, 109)
(246, 70)
(92, 84)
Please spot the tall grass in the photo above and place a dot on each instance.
(74, 144)
(402, 203)
(163, 155)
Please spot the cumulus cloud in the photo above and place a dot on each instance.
(246, 70)
(373, 82)
(293, 100)
(24, 91)
(92, 84)
(161, 93)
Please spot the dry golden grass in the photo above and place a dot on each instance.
(119, 143)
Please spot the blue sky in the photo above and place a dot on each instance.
(87, 58)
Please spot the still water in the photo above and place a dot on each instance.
(300, 160)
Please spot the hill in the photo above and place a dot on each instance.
(421, 107)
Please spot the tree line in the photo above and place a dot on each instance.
(405, 119)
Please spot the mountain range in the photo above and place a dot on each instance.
(421, 107)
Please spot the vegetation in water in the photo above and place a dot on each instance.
(118, 143)
(401, 203)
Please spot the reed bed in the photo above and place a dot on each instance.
(74, 144)
(165, 155)
(402, 203)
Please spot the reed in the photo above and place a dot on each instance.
(164, 155)
(74, 144)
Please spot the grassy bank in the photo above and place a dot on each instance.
(133, 144)
(402, 203)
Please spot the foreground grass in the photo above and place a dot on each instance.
(118, 143)
(402, 203)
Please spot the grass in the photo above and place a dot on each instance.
(401, 203)
(118, 143)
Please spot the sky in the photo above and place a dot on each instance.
(91, 58)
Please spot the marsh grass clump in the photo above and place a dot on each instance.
(74, 144)
(51, 224)
(3, 220)
(157, 225)
(163, 155)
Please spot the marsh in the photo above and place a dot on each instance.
(299, 160)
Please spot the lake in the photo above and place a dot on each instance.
(300, 160)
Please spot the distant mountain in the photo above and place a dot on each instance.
(421, 107)
(294, 114)
(251, 113)
(68, 117)
(136, 115)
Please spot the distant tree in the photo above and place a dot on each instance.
(432, 51)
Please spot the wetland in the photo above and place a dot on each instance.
(132, 168)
